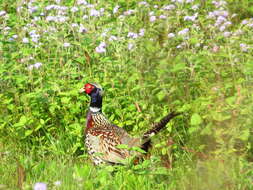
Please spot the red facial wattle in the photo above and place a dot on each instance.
(88, 88)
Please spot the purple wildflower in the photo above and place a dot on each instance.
(101, 48)
(132, 35)
(244, 22)
(183, 32)
(191, 18)
(25, 40)
(32, 9)
(129, 12)
(66, 44)
(171, 35)
(226, 34)
(74, 9)
(219, 3)
(57, 183)
(58, 19)
(74, 25)
(195, 7)
(169, 7)
(115, 9)
(82, 2)
(244, 47)
(141, 32)
(37, 65)
(85, 17)
(143, 3)
(222, 28)
(151, 13)
(113, 38)
(152, 19)
(82, 29)
(2, 13)
(130, 46)
(162, 17)
(94, 12)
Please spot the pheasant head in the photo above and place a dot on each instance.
(95, 91)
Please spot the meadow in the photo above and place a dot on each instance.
(151, 57)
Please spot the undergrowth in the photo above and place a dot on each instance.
(151, 57)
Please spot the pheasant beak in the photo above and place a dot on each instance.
(82, 90)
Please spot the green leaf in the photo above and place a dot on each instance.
(231, 100)
(244, 134)
(42, 122)
(160, 95)
(164, 151)
(196, 119)
(138, 149)
(192, 130)
(65, 100)
(184, 108)
(178, 67)
(122, 146)
(28, 132)
(220, 117)
(22, 121)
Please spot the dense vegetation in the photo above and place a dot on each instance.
(151, 57)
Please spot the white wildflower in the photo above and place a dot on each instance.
(115, 9)
(85, 17)
(66, 44)
(74, 9)
(25, 40)
(57, 183)
(152, 19)
(94, 12)
(2, 13)
(171, 35)
(141, 32)
(101, 48)
(183, 32)
(82, 2)
(130, 46)
(113, 38)
(40, 186)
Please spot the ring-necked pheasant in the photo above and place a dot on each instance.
(102, 137)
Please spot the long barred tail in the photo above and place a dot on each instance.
(155, 129)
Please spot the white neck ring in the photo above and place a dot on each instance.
(94, 109)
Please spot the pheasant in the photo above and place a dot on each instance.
(102, 138)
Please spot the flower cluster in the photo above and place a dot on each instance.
(101, 48)
(35, 66)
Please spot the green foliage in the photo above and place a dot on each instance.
(206, 74)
